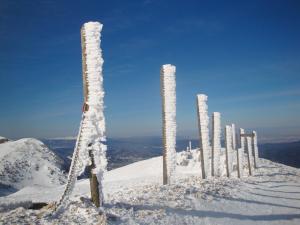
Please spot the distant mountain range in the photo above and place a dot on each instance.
(124, 151)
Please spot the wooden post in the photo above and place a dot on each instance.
(233, 137)
(203, 133)
(228, 145)
(255, 149)
(168, 94)
(241, 153)
(249, 154)
(94, 184)
(216, 144)
(235, 149)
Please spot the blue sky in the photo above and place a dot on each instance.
(245, 55)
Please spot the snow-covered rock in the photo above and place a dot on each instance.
(28, 162)
(3, 140)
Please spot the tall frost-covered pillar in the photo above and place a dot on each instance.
(233, 136)
(168, 94)
(249, 155)
(241, 153)
(203, 134)
(94, 121)
(216, 144)
(235, 149)
(255, 149)
(228, 146)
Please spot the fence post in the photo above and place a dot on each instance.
(203, 133)
(216, 144)
(228, 145)
(255, 149)
(233, 136)
(97, 199)
(241, 152)
(168, 94)
(249, 154)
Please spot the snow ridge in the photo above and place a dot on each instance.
(169, 115)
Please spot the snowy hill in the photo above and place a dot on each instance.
(3, 140)
(134, 194)
(28, 162)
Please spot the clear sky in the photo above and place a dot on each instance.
(245, 55)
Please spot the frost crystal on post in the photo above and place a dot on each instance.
(228, 147)
(95, 121)
(89, 143)
(216, 145)
(203, 120)
(168, 94)
(255, 149)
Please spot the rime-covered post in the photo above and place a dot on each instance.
(241, 153)
(92, 62)
(216, 144)
(249, 154)
(228, 141)
(233, 137)
(255, 149)
(190, 145)
(89, 150)
(168, 94)
(203, 134)
(235, 149)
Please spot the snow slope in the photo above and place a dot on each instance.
(134, 195)
(28, 162)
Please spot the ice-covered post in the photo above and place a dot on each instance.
(241, 153)
(216, 144)
(233, 136)
(93, 106)
(228, 146)
(203, 134)
(255, 149)
(168, 94)
(235, 149)
(249, 154)
(190, 145)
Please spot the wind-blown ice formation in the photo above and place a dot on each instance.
(216, 145)
(203, 120)
(241, 152)
(92, 129)
(228, 148)
(255, 149)
(249, 155)
(233, 137)
(168, 92)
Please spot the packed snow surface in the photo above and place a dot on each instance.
(134, 194)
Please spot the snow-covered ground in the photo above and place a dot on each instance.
(28, 162)
(134, 194)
